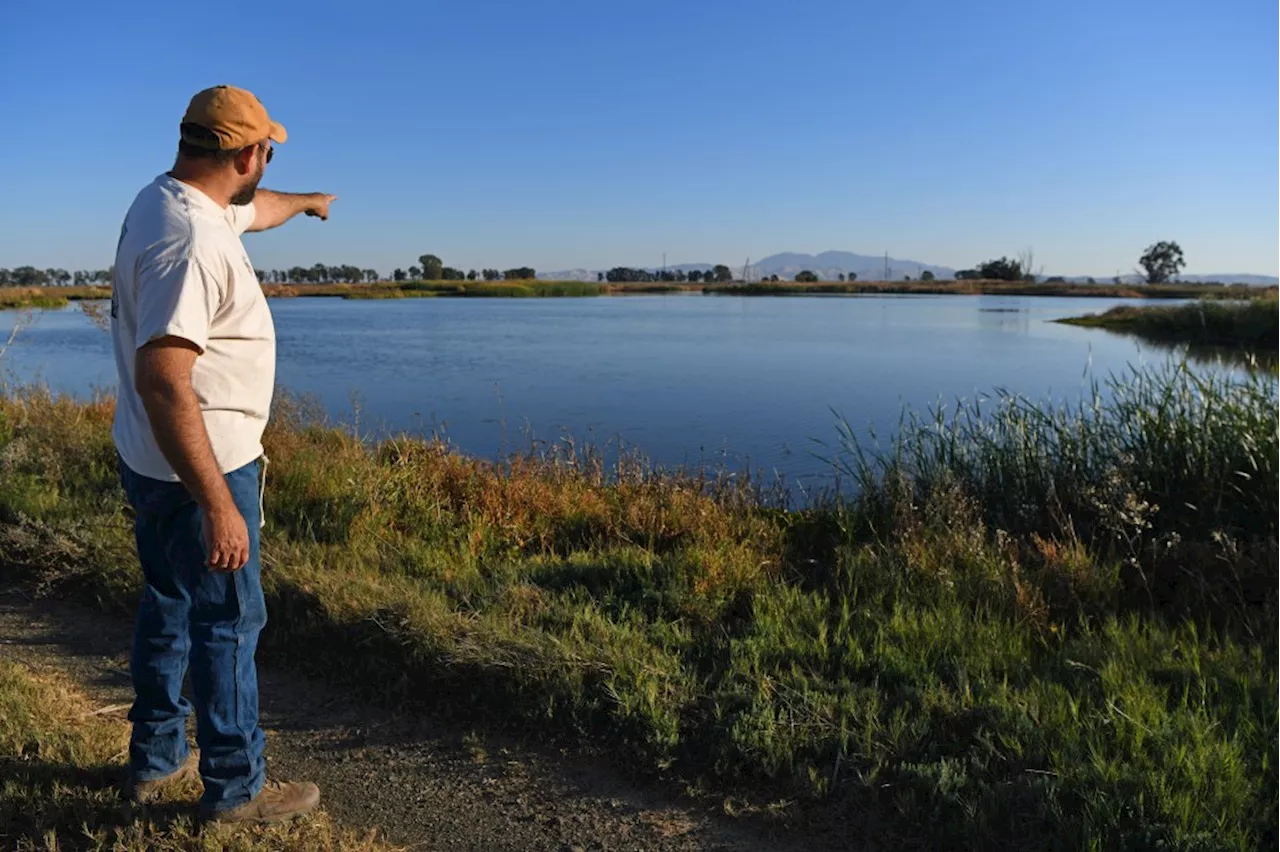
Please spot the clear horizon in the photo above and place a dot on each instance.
(588, 136)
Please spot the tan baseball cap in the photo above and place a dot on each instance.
(233, 119)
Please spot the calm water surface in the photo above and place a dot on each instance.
(685, 379)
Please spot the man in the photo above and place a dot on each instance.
(195, 352)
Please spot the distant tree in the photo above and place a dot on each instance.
(371, 275)
(967, 274)
(29, 276)
(625, 274)
(261, 274)
(471, 275)
(448, 273)
(491, 274)
(906, 278)
(1090, 281)
(519, 273)
(927, 275)
(398, 274)
(773, 279)
(1116, 280)
(722, 273)
(1055, 279)
(432, 267)
(840, 277)
(804, 276)
(695, 276)
(599, 276)
(1162, 261)
(852, 276)
(415, 273)
(1003, 269)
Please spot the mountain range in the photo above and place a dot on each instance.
(830, 264)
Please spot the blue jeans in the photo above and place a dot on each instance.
(208, 622)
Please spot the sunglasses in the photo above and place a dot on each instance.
(271, 151)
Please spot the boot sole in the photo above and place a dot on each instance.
(215, 819)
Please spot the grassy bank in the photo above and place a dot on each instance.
(52, 297)
(61, 764)
(48, 297)
(1034, 628)
(997, 288)
(411, 289)
(1208, 323)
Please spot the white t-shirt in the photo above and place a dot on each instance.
(181, 271)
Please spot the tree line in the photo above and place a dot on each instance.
(29, 276)
(431, 268)
(1160, 263)
(626, 274)
(318, 274)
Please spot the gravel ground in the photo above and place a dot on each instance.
(425, 784)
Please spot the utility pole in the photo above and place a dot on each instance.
(886, 266)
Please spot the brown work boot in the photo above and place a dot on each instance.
(277, 801)
(140, 792)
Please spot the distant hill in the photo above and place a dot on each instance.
(829, 265)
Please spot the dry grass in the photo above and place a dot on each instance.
(62, 761)
(48, 297)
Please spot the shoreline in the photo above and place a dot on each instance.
(17, 298)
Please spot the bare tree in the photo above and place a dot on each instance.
(1027, 260)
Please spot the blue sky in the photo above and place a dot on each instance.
(566, 134)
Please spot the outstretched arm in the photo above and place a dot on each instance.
(272, 209)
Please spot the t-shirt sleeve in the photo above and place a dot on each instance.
(242, 216)
(176, 299)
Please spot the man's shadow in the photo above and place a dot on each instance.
(39, 796)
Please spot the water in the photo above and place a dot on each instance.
(752, 383)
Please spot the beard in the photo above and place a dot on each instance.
(245, 194)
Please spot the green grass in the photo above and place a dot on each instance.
(1252, 325)
(62, 763)
(1032, 628)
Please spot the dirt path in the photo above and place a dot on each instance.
(425, 785)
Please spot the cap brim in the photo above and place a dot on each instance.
(278, 133)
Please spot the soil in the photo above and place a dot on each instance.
(424, 783)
